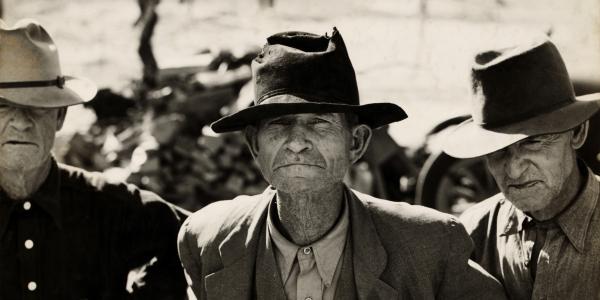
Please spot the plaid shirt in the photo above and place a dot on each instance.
(78, 237)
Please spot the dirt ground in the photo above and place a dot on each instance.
(403, 53)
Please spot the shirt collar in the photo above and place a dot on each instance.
(327, 251)
(574, 221)
(47, 197)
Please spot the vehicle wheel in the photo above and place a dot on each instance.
(452, 185)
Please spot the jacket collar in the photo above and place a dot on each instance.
(238, 254)
(369, 256)
(239, 249)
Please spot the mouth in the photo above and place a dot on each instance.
(18, 143)
(298, 164)
(524, 185)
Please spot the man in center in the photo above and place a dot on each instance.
(309, 236)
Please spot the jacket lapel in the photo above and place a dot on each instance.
(370, 258)
(238, 254)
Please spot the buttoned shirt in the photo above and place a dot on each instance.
(568, 264)
(78, 237)
(310, 272)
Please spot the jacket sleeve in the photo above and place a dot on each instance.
(189, 254)
(463, 278)
(149, 248)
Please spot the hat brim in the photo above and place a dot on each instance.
(75, 91)
(374, 114)
(469, 140)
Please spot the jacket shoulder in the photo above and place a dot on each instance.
(117, 194)
(216, 220)
(403, 212)
(95, 182)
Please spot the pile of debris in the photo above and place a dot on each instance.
(159, 139)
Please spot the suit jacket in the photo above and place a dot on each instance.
(399, 251)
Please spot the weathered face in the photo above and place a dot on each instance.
(27, 135)
(534, 173)
(306, 152)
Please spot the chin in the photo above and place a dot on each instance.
(298, 185)
(527, 203)
(21, 163)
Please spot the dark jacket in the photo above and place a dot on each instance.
(399, 251)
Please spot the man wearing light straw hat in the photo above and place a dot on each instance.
(66, 233)
(541, 235)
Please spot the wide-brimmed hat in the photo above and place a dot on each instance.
(30, 73)
(299, 72)
(518, 92)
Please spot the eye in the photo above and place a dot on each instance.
(280, 121)
(316, 121)
(532, 144)
(4, 107)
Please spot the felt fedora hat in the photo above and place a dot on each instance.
(299, 72)
(518, 92)
(30, 73)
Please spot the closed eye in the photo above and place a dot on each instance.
(319, 121)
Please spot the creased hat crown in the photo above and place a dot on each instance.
(313, 67)
(299, 72)
(30, 72)
(27, 53)
(515, 84)
(518, 92)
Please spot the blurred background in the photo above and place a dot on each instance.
(168, 68)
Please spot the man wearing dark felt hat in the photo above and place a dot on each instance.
(66, 233)
(309, 236)
(541, 235)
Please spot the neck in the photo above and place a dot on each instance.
(306, 217)
(21, 184)
(568, 194)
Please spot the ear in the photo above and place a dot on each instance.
(61, 115)
(250, 135)
(579, 135)
(361, 137)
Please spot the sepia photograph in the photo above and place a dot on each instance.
(316, 149)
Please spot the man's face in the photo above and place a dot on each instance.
(27, 135)
(533, 173)
(307, 152)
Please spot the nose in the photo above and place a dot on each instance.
(21, 119)
(297, 141)
(515, 164)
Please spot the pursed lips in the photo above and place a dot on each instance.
(297, 164)
(524, 185)
(18, 143)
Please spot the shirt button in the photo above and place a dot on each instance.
(32, 286)
(307, 251)
(28, 244)
(27, 205)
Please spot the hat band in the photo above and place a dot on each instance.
(515, 118)
(59, 82)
